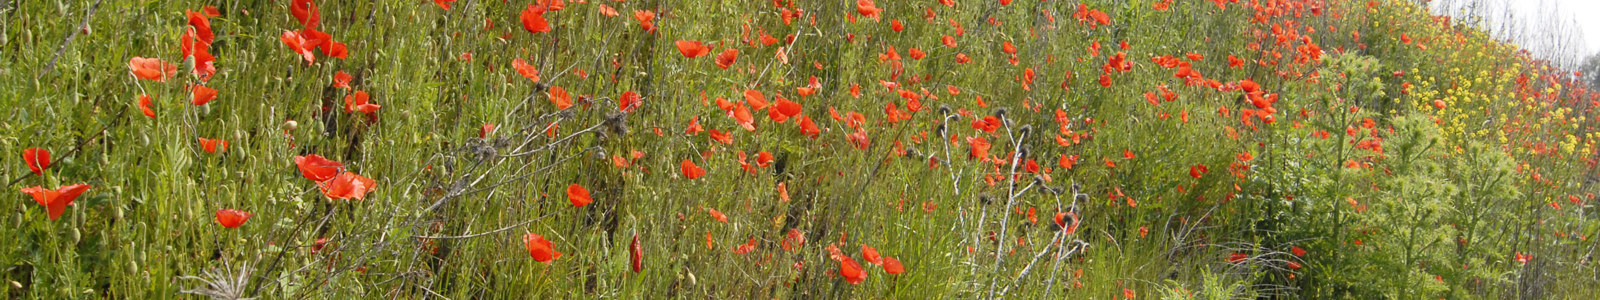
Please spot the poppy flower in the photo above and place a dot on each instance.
(540, 248)
(1297, 251)
(1237, 257)
(727, 58)
(347, 186)
(203, 94)
(646, 20)
(232, 218)
(871, 255)
(306, 11)
(578, 195)
(636, 254)
(485, 130)
(690, 170)
(358, 102)
(342, 79)
(151, 68)
(337, 49)
(560, 97)
(316, 168)
(892, 266)
(608, 11)
(693, 49)
(628, 101)
(37, 160)
(445, 4)
(851, 270)
(533, 19)
(298, 43)
(1198, 170)
(525, 69)
(746, 248)
(213, 145)
(1128, 294)
(715, 214)
(144, 106)
(793, 240)
(56, 201)
(868, 9)
(787, 108)
(1438, 103)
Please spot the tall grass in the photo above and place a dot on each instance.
(1429, 166)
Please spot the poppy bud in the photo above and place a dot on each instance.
(290, 125)
(984, 199)
(939, 129)
(1022, 153)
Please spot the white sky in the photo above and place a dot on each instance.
(1533, 16)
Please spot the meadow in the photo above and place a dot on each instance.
(787, 149)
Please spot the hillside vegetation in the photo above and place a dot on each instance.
(788, 149)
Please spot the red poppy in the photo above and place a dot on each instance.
(690, 170)
(727, 58)
(525, 69)
(151, 68)
(56, 201)
(693, 49)
(533, 19)
(342, 79)
(213, 145)
(715, 214)
(316, 168)
(1294, 265)
(1237, 257)
(299, 44)
(871, 255)
(144, 106)
(628, 101)
(540, 248)
(636, 254)
(851, 270)
(347, 186)
(1198, 170)
(1128, 294)
(868, 9)
(358, 102)
(1297, 251)
(560, 97)
(306, 12)
(746, 248)
(37, 160)
(336, 49)
(232, 218)
(203, 94)
(646, 19)
(578, 195)
(787, 108)
(445, 4)
(892, 266)
(608, 11)
(485, 130)
(793, 240)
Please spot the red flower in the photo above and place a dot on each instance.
(144, 106)
(892, 266)
(203, 94)
(358, 102)
(693, 49)
(727, 58)
(232, 218)
(1198, 170)
(348, 186)
(636, 254)
(56, 201)
(1237, 257)
(1297, 251)
(628, 101)
(212, 145)
(539, 248)
(342, 79)
(871, 255)
(578, 195)
(37, 160)
(316, 168)
(483, 132)
(690, 170)
(525, 69)
(851, 270)
(715, 214)
(151, 68)
(868, 9)
(533, 19)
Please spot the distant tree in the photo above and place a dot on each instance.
(1591, 71)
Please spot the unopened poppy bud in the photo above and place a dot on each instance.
(290, 125)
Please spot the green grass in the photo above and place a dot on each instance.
(1449, 187)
